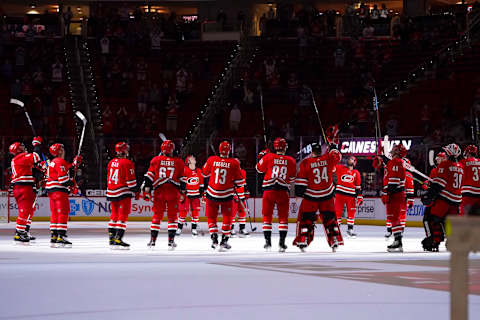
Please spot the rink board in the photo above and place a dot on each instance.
(372, 211)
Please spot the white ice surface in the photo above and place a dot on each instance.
(89, 281)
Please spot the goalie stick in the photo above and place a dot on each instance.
(318, 115)
(84, 121)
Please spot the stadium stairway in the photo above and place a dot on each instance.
(83, 97)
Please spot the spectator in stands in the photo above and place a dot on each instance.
(292, 88)
(235, 118)
(155, 95)
(375, 14)
(19, 59)
(67, 19)
(181, 83)
(305, 97)
(16, 89)
(339, 56)
(262, 25)
(247, 95)
(221, 19)
(142, 101)
(38, 78)
(241, 20)
(271, 13)
(156, 36)
(384, 11)
(105, 45)
(368, 32)
(172, 115)
(57, 71)
(269, 64)
(302, 42)
(142, 67)
(7, 70)
(363, 13)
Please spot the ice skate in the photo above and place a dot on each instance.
(268, 245)
(224, 246)
(62, 242)
(194, 232)
(243, 233)
(396, 246)
(214, 238)
(334, 245)
(21, 238)
(388, 234)
(350, 233)
(118, 244)
(171, 245)
(429, 245)
(151, 244)
(233, 233)
(282, 247)
(179, 229)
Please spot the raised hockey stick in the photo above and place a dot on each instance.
(407, 166)
(22, 105)
(318, 115)
(162, 136)
(263, 115)
(84, 121)
(378, 132)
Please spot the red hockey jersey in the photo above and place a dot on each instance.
(58, 178)
(315, 176)
(449, 181)
(394, 177)
(121, 179)
(194, 182)
(349, 181)
(471, 179)
(279, 171)
(22, 165)
(164, 169)
(224, 173)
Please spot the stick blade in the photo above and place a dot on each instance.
(386, 151)
(17, 102)
(81, 117)
(162, 136)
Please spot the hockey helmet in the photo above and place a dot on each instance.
(167, 147)
(16, 148)
(280, 144)
(471, 151)
(224, 148)
(441, 156)
(122, 147)
(399, 151)
(55, 149)
(452, 150)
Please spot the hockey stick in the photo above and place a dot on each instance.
(407, 166)
(263, 115)
(84, 121)
(318, 115)
(378, 132)
(162, 136)
(245, 208)
(22, 105)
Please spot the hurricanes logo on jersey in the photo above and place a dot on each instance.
(347, 178)
(192, 180)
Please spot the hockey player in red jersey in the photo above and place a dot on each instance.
(22, 180)
(314, 183)
(59, 185)
(239, 207)
(393, 194)
(443, 196)
(165, 178)
(280, 171)
(471, 181)
(121, 186)
(224, 175)
(348, 193)
(194, 190)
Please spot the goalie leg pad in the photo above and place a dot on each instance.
(305, 228)
(332, 230)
